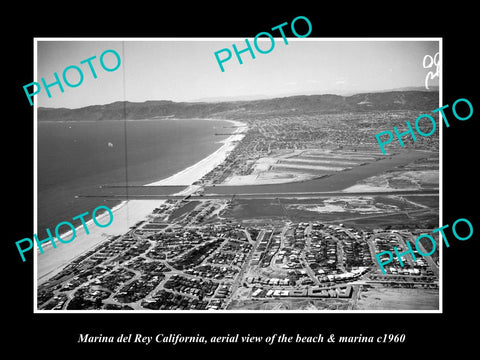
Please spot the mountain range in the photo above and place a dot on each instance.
(327, 103)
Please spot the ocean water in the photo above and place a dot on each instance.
(77, 157)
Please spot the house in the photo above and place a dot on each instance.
(257, 292)
(332, 293)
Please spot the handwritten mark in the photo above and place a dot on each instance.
(428, 62)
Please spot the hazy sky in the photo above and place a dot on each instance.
(186, 70)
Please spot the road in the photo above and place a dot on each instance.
(306, 249)
(429, 260)
(245, 266)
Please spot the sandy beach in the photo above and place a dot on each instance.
(204, 166)
(128, 213)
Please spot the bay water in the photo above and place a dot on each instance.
(77, 157)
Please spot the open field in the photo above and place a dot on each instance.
(375, 210)
(290, 304)
(382, 298)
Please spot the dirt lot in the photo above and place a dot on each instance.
(382, 298)
(367, 211)
(289, 304)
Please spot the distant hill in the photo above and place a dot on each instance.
(412, 88)
(233, 98)
(327, 103)
(308, 92)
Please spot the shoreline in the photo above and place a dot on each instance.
(129, 212)
(196, 171)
